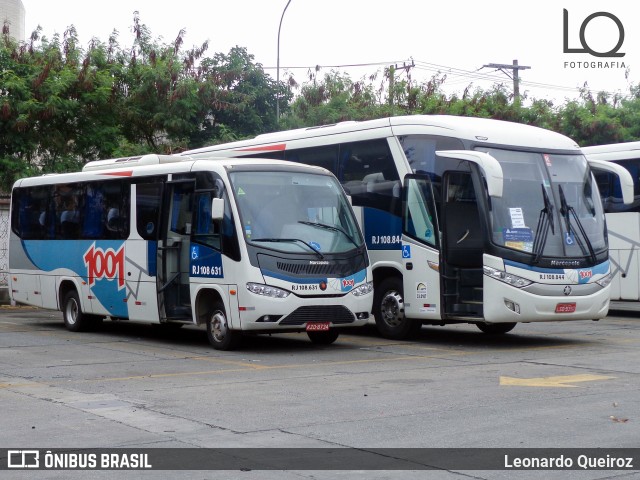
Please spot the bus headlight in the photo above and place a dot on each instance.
(605, 281)
(508, 278)
(363, 289)
(267, 290)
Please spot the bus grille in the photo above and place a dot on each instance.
(337, 314)
(307, 269)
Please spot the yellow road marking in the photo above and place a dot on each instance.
(251, 367)
(210, 372)
(561, 381)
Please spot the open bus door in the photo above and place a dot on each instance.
(420, 249)
(173, 250)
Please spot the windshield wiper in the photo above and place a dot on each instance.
(329, 227)
(289, 240)
(567, 212)
(545, 221)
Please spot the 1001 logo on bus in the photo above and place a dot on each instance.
(107, 264)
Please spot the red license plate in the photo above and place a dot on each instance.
(318, 326)
(565, 308)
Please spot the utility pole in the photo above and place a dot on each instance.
(515, 68)
(392, 76)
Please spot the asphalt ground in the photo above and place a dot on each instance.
(551, 385)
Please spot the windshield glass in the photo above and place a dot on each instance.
(295, 212)
(550, 205)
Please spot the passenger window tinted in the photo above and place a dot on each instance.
(368, 173)
(72, 211)
(148, 201)
(217, 234)
(30, 211)
(420, 151)
(325, 157)
(611, 191)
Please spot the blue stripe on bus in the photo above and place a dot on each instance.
(382, 230)
(102, 269)
(585, 275)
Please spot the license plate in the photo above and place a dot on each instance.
(318, 326)
(565, 308)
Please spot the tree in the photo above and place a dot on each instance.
(62, 105)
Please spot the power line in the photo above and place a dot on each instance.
(515, 69)
(456, 76)
(307, 67)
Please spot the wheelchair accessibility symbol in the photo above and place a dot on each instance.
(406, 251)
(194, 253)
(569, 239)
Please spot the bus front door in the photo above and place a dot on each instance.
(420, 250)
(173, 251)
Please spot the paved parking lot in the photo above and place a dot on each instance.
(544, 385)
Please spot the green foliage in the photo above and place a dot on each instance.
(62, 105)
(588, 120)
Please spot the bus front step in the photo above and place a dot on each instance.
(179, 312)
(470, 308)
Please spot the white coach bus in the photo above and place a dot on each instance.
(466, 219)
(243, 246)
(623, 220)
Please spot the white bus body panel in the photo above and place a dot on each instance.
(537, 308)
(623, 227)
(624, 239)
(421, 280)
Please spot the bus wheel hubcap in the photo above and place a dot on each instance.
(393, 309)
(72, 312)
(218, 326)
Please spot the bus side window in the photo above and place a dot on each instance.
(325, 157)
(206, 230)
(217, 234)
(369, 175)
(148, 201)
(69, 200)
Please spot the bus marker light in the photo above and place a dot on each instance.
(513, 306)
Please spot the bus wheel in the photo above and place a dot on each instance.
(218, 332)
(74, 319)
(324, 338)
(495, 328)
(388, 309)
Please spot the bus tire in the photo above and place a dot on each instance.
(324, 338)
(495, 328)
(388, 310)
(74, 318)
(218, 332)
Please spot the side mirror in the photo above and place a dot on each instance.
(217, 209)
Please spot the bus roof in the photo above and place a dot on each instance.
(614, 151)
(117, 168)
(495, 132)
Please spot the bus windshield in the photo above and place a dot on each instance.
(295, 212)
(550, 205)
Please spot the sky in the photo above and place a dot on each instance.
(454, 37)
